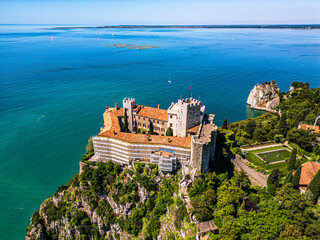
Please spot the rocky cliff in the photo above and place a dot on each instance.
(110, 202)
(264, 96)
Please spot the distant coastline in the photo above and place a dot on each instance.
(286, 26)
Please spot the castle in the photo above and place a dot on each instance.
(192, 143)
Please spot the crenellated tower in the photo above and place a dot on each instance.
(128, 104)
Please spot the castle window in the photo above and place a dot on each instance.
(170, 116)
(144, 125)
(139, 117)
(158, 122)
(170, 124)
(139, 124)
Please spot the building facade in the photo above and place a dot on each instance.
(192, 144)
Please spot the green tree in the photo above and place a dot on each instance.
(225, 124)
(126, 129)
(290, 233)
(250, 126)
(169, 132)
(274, 177)
(292, 161)
(230, 229)
(282, 126)
(314, 187)
(288, 178)
(89, 150)
(259, 134)
(277, 138)
(303, 138)
(150, 127)
(200, 209)
(296, 178)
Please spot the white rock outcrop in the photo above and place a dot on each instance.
(264, 97)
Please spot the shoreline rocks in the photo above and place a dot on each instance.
(264, 97)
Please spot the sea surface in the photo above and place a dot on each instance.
(55, 85)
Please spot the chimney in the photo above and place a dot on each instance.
(158, 106)
(116, 106)
(107, 109)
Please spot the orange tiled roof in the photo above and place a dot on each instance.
(154, 113)
(305, 126)
(308, 171)
(194, 129)
(153, 139)
(111, 121)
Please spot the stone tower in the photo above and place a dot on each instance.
(184, 115)
(128, 104)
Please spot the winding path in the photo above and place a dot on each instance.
(256, 178)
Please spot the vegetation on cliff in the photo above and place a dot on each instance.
(107, 198)
(108, 201)
(301, 104)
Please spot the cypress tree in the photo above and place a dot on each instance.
(292, 160)
(296, 178)
(314, 186)
(288, 178)
(225, 124)
(126, 129)
(273, 178)
(282, 127)
(150, 127)
(169, 132)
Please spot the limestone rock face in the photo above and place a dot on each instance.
(264, 97)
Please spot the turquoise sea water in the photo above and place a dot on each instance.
(56, 83)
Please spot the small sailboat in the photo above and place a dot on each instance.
(52, 39)
(112, 34)
(98, 38)
(169, 81)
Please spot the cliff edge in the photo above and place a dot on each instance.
(107, 201)
(264, 96)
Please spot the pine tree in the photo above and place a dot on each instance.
(314, 186)
(296, 178)
(292, 160)
(126, 129)
(282, 127)
(169, 132)
(288, 178)
(225, 124)
(150, 127)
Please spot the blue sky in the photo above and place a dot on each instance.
(112, 12)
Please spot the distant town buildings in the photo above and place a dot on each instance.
(192, 144)
(305, 126)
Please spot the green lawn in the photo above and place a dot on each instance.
(274, 156)
(251, 157)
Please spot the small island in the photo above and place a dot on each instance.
(131, 46)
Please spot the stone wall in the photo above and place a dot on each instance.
(203, 148)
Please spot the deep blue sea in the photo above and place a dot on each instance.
(55, 84)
